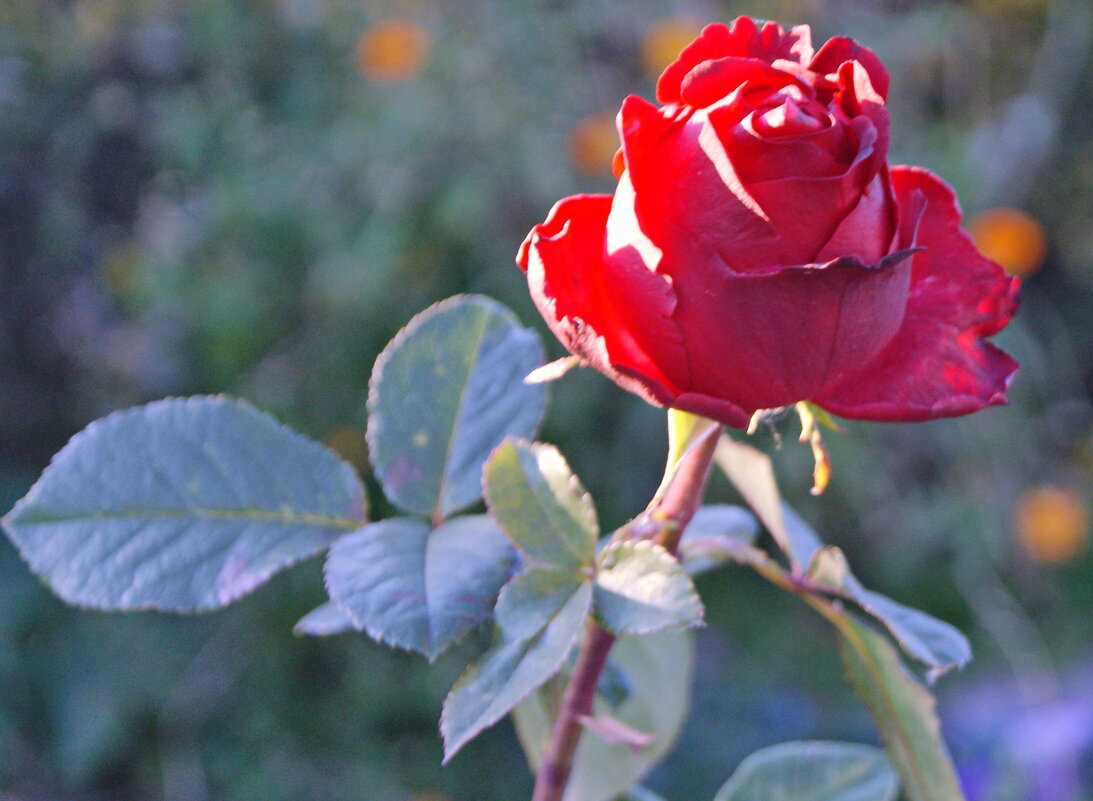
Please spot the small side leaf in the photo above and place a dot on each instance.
(325, 620)
(638, 793)
(419, 589)
(443, 394)
(658, 671)
(539, 615)
(716, 534)
(182, 505)
(641, 588)
(931, 641)
(813, 771)
(903, 710)
(751, 472)
(540, 504)
(614, 732)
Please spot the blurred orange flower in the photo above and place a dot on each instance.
(1052, 523)
(593, 143)
(392, 50)
(663, 41)
(1010, 237)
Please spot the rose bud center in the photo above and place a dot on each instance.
(790, 119)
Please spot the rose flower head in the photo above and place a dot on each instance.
(759, 251)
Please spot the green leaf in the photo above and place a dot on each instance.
(813, 771)
(443, 394)
(903, 710)
(181, 505)
(325, 620)
(804, 541)
(935, 643)
(658, 671)
(932, 641)
(637, 793)
(715, 535)
(539, 616)
(641, 588)
(419, 589)
(751, 472)
(540, 504)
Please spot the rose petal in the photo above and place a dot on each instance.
(689, 199)
(841, 49)
(857, 96)
(713, 408)
(589, 300)
(806, 211)
(821, 154)
(772, 340)
(937, 365)
(743, 40)
(867, 232)
(713, 79)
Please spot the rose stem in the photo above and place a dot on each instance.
(676, 509)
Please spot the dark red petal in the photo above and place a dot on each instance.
(762, 341)
(857, 97)
(867, 232)
(743, 40)
(589, 299)
(714, 408)
(820, 154)
(689, 199)
(714, 79)
(840, 49)
(938, 364)
(806, 211)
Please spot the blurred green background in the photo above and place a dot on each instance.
(251, 198)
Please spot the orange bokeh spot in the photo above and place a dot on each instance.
(1052, 523)
(663, 41)
(392, 50)
(1010, 237)
(593, 143)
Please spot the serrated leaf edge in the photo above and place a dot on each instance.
(348, 524)
(638, 546)
(385, 356)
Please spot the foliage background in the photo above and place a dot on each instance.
(217, 196)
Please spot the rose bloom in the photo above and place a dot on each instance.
(759, 251)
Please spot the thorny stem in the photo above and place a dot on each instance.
(550, 783)
(672, 514)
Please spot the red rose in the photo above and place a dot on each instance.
(759, 251)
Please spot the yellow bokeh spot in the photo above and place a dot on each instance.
(1052, 523)
(1010, 237)
(663, 42)
(349, 443)
(392, 50)
(593, 143)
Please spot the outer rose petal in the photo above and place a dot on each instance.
(688, 197)
(743, 40)
(937, 365)
(582, 297)
(763, 341)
